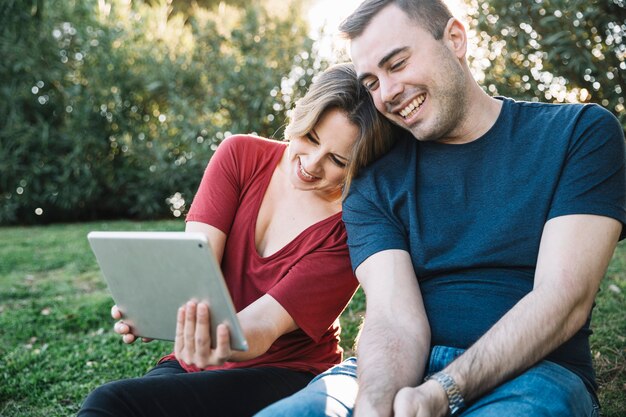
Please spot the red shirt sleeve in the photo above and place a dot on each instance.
(217, 198)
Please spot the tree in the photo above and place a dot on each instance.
(112, 108)
(554, 50)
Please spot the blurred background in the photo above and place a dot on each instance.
(111, 108)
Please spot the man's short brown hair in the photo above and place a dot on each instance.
(432, 15)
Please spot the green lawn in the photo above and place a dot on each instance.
(56, 342)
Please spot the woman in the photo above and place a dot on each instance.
(272, 213)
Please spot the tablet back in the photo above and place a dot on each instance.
(151, 274)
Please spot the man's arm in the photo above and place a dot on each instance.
(573, 256)
(395, 340)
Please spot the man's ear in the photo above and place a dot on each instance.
(455, 37)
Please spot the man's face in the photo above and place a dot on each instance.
(415, 80)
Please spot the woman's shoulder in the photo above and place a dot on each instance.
(251, 143)
(250, 154)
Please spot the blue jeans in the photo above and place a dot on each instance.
(545, 390)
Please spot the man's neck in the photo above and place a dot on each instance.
(480, 116)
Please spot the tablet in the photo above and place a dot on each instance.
(151, 274)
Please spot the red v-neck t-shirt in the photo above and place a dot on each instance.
(310, 277)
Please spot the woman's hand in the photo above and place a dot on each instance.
(122, 328)
(193, 337)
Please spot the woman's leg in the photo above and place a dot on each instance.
(165, 391)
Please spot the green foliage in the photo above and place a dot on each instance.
(56, 341)
(113, 108)
(554, 50)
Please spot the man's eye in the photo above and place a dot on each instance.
(370, 85)
(398, 64)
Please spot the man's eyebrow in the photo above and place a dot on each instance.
(383, 61)
(390, 55)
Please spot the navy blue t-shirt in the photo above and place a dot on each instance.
(471, 216)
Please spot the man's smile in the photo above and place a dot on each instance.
(412, 107)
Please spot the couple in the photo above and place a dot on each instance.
(480, 236)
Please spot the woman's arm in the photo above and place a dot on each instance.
(262, 322)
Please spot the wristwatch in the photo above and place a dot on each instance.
(455, 399)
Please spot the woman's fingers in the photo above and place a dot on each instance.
(121, 328)
(222, 348)
(189, 335)
(115, 312)
(179, 340)
(203, 329)
(203, 334)
(192, 343)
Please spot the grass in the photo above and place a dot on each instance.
(56, 342)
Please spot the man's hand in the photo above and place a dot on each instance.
(426, 400)
(193, 337)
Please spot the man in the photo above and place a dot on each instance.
(480, 239)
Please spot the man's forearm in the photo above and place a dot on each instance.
(395, 341)
(389, 358)
(574, 254)
(523, 337)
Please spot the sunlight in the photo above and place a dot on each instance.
(325, 16)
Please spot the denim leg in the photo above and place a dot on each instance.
(440, 357)
(330, 394)
(545, 390)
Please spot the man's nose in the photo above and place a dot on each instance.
(390, 90)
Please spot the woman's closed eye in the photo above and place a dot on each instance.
(338, 161)
(311, 138)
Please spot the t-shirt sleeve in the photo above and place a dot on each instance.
(316, 290)
(370, 226)
(217, 198)
(593, 180)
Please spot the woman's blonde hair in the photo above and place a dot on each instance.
(338, 88)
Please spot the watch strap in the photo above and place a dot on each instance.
(455, 398)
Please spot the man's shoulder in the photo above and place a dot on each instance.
(393, 164)
(385, 177)
(588, 111)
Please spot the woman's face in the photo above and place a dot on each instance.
(318, 160)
